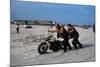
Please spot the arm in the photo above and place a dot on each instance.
(52, 31)
(61, 30)
(71, 29)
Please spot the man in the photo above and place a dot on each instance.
(94, 28)
(75, 35)
(61, 32)
(17, 27)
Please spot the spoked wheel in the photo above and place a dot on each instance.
(43, 47)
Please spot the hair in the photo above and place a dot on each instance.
(17, 23)
(58, 26)
(70, 25)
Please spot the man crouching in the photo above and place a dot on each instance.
(75, 35)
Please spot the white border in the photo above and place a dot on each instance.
(5, 39)
(4, 33)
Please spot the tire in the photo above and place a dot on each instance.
(42, 48)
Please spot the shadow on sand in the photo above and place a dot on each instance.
(88, 45)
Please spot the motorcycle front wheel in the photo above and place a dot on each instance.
(42, 48)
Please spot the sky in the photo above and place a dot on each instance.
(61, 13)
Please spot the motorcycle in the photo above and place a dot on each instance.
(50, 43)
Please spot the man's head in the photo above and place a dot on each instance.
(58, 26)
(69, 25)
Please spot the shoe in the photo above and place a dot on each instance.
(81, 46)
(65, 50)
(76, 48)
(70, 49)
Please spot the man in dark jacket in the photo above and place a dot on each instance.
(75, 35)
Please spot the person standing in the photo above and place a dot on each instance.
(73, 33)
(17, 27)
(94, 28)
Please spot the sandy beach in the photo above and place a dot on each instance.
(23, 47)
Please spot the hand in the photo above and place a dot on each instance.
(49, 31)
